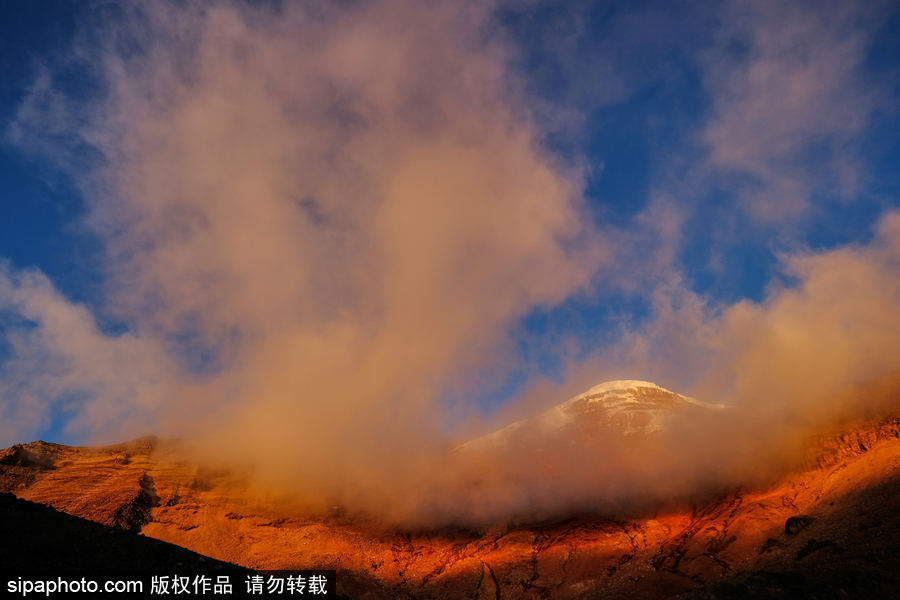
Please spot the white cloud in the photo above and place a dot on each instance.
(789, 99)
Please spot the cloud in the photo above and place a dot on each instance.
(317, 219)
(789, 100)
(59, 365)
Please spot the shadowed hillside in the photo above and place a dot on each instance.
(37, 537)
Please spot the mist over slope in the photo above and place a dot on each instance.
(827, 529)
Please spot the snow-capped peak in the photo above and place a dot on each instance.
(621, 384)
(623, 406)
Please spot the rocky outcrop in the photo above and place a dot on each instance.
(851, 441)
(137, 512)
(108, 485)
(37, 455)
(22, 463)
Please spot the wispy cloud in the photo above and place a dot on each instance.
(789, 99)
(60, 366)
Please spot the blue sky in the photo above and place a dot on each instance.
(702, 144)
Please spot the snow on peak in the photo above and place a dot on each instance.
(626, 405)
(621, 384)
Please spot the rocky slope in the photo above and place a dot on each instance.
(832, 530)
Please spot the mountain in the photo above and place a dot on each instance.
(622, 407)
(828, 530)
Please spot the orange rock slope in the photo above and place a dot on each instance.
(836, 524)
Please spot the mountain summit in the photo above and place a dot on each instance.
(623, 407)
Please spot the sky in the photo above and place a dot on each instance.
(421, 220)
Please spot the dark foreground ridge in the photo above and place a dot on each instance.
(37, 537)
(41, 544)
